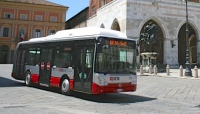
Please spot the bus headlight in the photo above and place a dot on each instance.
(102, 81)
(134, 80)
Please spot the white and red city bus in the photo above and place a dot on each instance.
(90, 60)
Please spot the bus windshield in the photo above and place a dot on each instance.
(115, 56)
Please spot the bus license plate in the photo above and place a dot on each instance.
(119, 90)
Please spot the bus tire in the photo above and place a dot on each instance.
(28, 79)
(65, 87)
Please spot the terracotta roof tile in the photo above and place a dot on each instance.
(40, 2)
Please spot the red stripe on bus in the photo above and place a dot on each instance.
(71, 84)
(113, 88)
(55, 81)
(34, 78)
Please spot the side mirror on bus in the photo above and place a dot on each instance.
(105, 46)
(54, 67)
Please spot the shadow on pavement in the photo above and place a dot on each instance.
(118, 98)
(198, 106)
(5, 82)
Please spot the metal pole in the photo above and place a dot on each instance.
(188, 71)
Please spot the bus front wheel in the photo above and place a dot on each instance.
(65, 87)
(28, 79)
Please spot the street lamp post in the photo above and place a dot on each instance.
(188, 71)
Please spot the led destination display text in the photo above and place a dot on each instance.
(118, 43)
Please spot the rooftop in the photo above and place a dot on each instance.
(38, 2)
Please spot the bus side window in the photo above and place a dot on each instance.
(65, 57)
(31, 57)
(18, 57)
(56, 59)
(89, 58)
(37, 57)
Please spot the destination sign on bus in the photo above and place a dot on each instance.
(118, 43)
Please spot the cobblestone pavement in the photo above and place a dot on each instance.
(160, 95)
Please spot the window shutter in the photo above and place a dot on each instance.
(49, 32)
(9, 32)
(34, 33)
(22, 31)
(1, 31)
(11, 16)
(41, 33)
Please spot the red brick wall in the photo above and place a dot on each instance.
(97, 4)
(54, 15)
(6, 10)
(39, 13)
(27, 12)
(31, 16)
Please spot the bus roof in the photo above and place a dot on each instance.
(80, 32)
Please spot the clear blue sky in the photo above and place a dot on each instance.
(75, 6)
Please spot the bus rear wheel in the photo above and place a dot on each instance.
(65, 87)
(28, 79)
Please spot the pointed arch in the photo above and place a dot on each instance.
(159, 22)
(157, 47)
(192, 24)
(192, 43)
(115, 25)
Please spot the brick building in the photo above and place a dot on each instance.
(22, 20)
(79, 20)
(95, 5)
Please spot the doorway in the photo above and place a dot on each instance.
(83, 75)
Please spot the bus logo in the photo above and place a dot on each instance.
(120, 85)
(114, 78)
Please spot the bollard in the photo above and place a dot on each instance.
(155, 70)
(195, 72)
(141, 70)
(181, 71)
(167, 70)
(150, 69)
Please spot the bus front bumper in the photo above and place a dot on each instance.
(113, 88)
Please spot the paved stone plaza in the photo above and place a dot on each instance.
(162, 95)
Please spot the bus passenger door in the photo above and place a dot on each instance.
(45, 65)
(83, 69)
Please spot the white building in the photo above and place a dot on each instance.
(131, 16)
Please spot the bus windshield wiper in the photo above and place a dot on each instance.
(108, 71)
(130, 72)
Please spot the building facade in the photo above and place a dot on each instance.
(131, 16)
(21, 20)
(95, 5)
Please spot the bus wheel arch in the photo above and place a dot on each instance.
(28, 78)
(65, 85)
